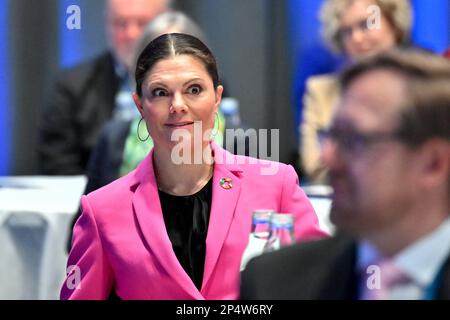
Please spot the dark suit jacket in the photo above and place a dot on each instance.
(106, 157)
(82, 99)
(319, 270)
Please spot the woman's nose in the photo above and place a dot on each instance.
(178, 104)
(357, 35)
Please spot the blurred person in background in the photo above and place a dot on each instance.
(351, 28)
(84, 97)
(388, 154)
(174, 229)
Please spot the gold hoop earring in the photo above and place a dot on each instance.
(139, 137)
(216, 131)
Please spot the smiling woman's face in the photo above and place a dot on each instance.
(358, 40)
(176, 92)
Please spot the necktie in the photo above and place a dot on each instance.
(385, 277)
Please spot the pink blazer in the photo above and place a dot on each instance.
(120, 241)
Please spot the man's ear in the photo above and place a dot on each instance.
(435, 162)
(138, 103)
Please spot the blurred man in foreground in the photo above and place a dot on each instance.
(388, 152)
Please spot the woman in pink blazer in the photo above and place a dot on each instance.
(176, 227)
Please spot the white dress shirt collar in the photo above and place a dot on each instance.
(421, 261)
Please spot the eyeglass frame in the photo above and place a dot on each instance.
(353, 141)
(345, 33)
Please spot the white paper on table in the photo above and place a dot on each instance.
(59, 194)
(255, 247)
(322, 206)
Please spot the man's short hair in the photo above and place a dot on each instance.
(425, 113)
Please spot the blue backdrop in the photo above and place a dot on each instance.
(5, 103)
(70, 41)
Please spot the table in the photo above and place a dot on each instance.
(35, 217)
(320, 197)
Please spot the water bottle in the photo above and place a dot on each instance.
(125, 108)
(230, 110)
(281, 231)
(258, 236)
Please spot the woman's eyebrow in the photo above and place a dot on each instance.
(156, 83)
(193, 80)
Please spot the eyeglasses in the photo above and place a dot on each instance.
(345, 33)
(352, 141)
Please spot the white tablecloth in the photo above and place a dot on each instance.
(320, 197)
(322, 207)
(35, 217)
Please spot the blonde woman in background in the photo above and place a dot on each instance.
(349, 27)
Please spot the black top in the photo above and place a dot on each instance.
(186, 219)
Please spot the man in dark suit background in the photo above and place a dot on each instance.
(87, 95)
(388, 153)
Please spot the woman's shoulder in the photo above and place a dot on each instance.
(253, 167)
(116, 191)
(327, 82)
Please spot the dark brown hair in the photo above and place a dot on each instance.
(425, 113)
(172, 44)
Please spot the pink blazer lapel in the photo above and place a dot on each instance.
(222, 208)
(148, 213)
(147, 208)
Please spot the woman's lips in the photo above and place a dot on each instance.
(180, 124)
